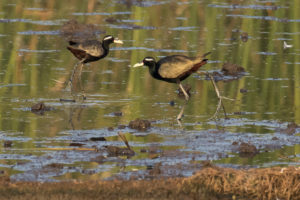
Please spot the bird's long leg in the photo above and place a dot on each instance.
(218, 95)
(71, 118)
(73, 74)
(80, 83)
(179, 116)
(70, 83)
(183, 90)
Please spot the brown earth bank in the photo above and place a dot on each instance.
(209, 183)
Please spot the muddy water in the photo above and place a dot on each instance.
(46, 147)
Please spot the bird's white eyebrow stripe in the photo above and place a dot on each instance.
(149, 59)
(107, 38)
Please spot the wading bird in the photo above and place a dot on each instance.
(173, 69)
(90, 51)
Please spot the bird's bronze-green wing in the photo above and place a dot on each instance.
(92, 47)
(174, 66)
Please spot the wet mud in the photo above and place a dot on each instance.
(7, 143)
(230, 69)
(247, 150)
(229, 72)
(40, 108)
(140, 124)
(115, 151)
(185, 149)
(290, 129)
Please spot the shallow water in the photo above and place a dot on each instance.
(33, 55)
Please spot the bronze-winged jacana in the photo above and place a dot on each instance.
(173, 69)
(90, 51)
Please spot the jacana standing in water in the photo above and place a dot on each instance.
(174, 69)
(90, 51)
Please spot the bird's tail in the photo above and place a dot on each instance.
(201, 58)
(199, 64)
(206, 54)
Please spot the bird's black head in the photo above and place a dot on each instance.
(110, 39)
(147, 61)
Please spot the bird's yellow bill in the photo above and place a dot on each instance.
(116, 40)
(138, 64)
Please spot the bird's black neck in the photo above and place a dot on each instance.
(105, 46)
(153, 69)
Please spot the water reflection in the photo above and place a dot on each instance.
(32, 55)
